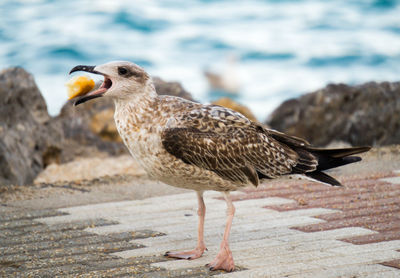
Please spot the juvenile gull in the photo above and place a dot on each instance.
(204, 147)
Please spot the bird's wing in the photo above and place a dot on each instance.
(224, 141)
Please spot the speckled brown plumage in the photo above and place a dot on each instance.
(223, 145)
(229, 146)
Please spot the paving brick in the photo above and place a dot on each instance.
(371, 221)
(362, 211)
(331, 234)
(81, 270)
(146, 271)
(21, 214)
(342, 201)
(394, 263)
(345, 271)
(366, 258)
(394, 180)
(310, 212)
(386, 274)
(45, 263)
(269, 271)
(36, 229)
(14, 224)
(378, 246)
(382, 236)
(110, 247)
(39, 237)
(88, 239)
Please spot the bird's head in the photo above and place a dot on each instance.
(121, 80)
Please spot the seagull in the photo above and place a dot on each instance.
(204, 147)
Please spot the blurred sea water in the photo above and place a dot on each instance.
(283, 48)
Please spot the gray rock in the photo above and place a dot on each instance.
(171, 88)
(28, 140)
(76, 122)
(368, 114)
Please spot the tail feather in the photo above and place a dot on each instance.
(324, 178)
(332, 158)
(312, 161)
(338, 153)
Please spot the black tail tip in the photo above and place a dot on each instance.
(351, 159)
(324, 178)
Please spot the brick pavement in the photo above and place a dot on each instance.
(285, 228)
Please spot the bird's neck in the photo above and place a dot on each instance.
(137, 109)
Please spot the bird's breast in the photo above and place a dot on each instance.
(141, 141)
(144, 144)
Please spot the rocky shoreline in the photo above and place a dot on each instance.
(367, 114)
(38, 148)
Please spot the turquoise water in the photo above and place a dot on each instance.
(282, 48)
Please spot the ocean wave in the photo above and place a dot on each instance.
(135, 21)
(260, 56)
(348, 60)
(283, 48)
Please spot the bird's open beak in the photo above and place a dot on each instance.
(84, 68)
(107, 83)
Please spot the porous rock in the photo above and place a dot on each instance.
(89, 127)
(367, 114)
(171, 88)
(28, 139)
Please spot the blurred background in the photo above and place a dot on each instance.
(259, 52)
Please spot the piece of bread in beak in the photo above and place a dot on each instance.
(78, 86)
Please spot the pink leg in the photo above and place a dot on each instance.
(199, 250)
(224, 258)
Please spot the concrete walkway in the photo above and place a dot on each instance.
(282, 229)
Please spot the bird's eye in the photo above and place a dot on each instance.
(122, 71)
